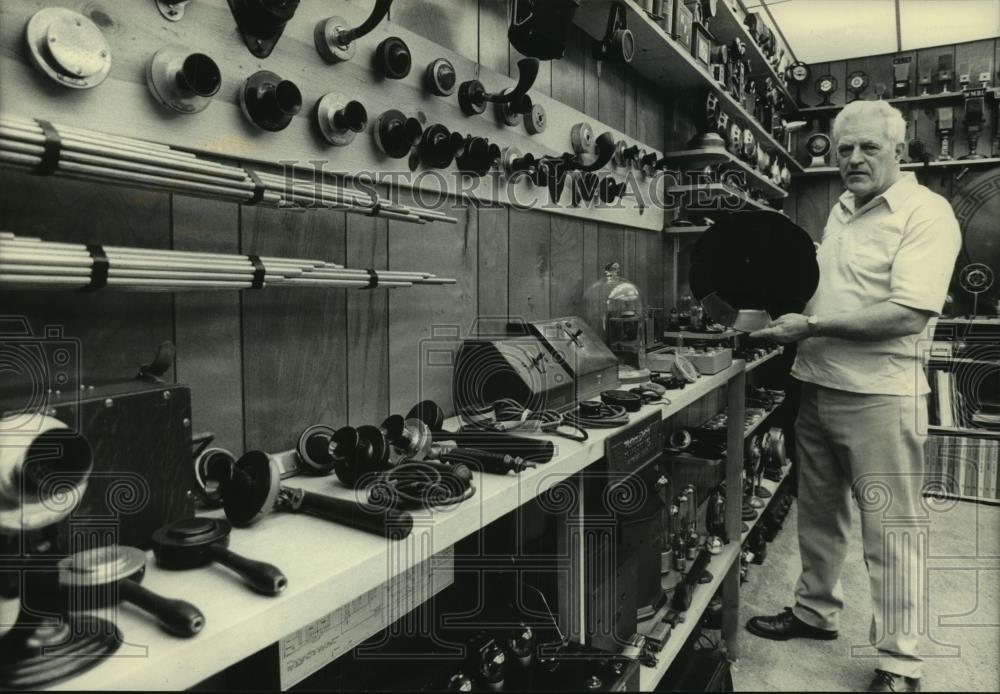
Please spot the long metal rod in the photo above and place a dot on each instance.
(32, 262)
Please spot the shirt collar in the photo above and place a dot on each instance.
(894, 197)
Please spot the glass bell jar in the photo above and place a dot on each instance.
(613, 307)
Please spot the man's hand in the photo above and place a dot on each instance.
(790, 327)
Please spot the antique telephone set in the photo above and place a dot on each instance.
(973, 119)
(945, 127)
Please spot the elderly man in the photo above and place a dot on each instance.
(886, 257)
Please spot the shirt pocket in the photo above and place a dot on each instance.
(873, 248)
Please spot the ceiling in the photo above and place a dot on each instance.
(826, 30)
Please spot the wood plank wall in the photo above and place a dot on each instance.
(262, 366)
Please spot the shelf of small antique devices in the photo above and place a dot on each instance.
(718, 163)
(237, 623)
(761, 403)
(762, 51)
(670, 59)
(920, 99)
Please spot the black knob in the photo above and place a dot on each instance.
(650, 160)
(353, 116)
(610, 190)
(199, 75)
(396, 135)
(438, 146)
(392, 58)
(440, 77)
(269, 101)
(472, 97)
(525, 163)
(630, 154)
(479, 156)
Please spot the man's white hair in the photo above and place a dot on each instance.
(894, 124)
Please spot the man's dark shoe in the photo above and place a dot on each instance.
(891, 682)
(786, 625)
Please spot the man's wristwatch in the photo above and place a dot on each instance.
(813, 323)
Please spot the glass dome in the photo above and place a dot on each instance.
(613, 307)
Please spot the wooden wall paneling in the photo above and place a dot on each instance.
(494, 20)
(610, 245)
(592, 267)
(651, 115)
(207, 324)
(812, 204)
(839, 70)
(427, 323)
(446, 22)
(116, 331)
(568, 75)
(611, 95)
(568, 277)
(367, 325)
(591, 82)
(633, 266)
(530, 275)
(294, 339)
(631, 104)
(493, 261)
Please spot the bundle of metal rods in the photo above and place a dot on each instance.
(31, 263)
(93, 156)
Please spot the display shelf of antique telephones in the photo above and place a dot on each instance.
(718, 566)
(913, 166)
(704, 198)
(940, 97)
(726, 26)
(327, 565)
(691, 159)
(669, 64)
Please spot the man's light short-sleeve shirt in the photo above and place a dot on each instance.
(900, 247)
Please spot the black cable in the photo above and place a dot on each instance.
(508, 415)
(422, 483)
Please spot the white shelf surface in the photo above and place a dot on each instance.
(763, 360)
(718, 566)
(327, 566)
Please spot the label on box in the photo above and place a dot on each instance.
(630, 449)
(312, 647)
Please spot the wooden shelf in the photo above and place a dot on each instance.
(942, 97)
(685, 230)
(670, 65)
(711, 192)
(327, 565)
(691, 159)
(726, 26)
(719, 566)
(913, 166)
(771, 487)
(688, 335)
(967, 433)
(750, 366)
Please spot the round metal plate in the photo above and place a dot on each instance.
(582, 138)
(327, 44)
(101, 565)
(161, 77)
(68, 48)
(535, 122)
(325, 108)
